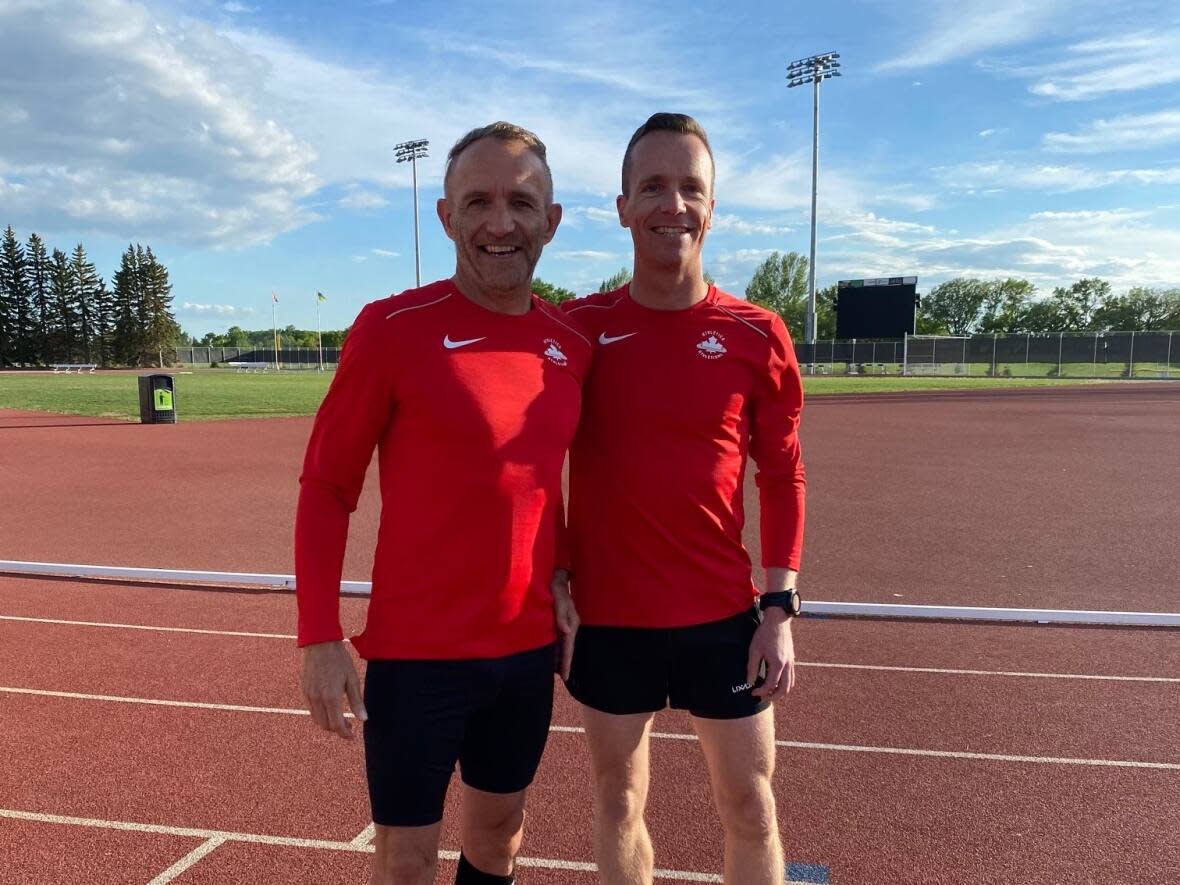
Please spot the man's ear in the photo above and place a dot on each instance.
(553, 214)
(620, 206)
(444, 216)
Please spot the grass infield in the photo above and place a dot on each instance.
(212, 394)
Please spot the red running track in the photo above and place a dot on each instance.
(1014, 498)
(869, 816)
(1042, 498)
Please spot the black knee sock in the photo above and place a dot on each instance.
(469, 875)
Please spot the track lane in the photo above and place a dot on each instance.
(1029, 716)
(946, 821)
(45, 854)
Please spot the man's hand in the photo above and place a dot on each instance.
(328, 676)
(566, 616)
(773, 644)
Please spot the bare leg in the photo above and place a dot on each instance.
(405, 855)
(740, 754)
(491, 828)
(619, 754)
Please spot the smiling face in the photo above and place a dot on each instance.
(499, 212)
(668, 206)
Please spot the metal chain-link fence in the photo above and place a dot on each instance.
(1058, 355)
(257, 357)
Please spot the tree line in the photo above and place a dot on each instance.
(236, 336)
(965, 306)
(55, 308)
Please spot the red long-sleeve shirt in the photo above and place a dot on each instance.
(673, 404)
(471, 412)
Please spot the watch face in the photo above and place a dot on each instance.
(796, 602)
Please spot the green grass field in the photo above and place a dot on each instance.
(212, 394)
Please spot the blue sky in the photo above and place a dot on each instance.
(250, 143)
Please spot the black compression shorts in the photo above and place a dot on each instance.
(489, 715)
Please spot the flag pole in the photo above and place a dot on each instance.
(274, 322)
(318, 334)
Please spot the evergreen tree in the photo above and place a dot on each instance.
(161, 331)
(128, 300)
(616, 280)
(88, 291)
(16, 326)
(64, 322)
(104, 325)
(41, 297)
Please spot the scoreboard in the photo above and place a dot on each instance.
(886, 307)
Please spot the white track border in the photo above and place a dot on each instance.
(828, 609)
(211, 839)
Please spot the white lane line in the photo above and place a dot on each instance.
(667, 736)
(988, 757)
(941, 754)
(155, 702)
(193, 857)
(148, 627)
(947, 671)
(365, 836)
(221, 836)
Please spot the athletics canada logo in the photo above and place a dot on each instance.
(712, 345)
(553, 353)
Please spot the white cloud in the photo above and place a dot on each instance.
(1122, 63)
(969, 27)
(1050, 248)
(1128, 132)
(1047, 178)
(587, 254)
(362, 199)
(384, 253)
(338, 108)
(237, 8)
(593, 213)
(782, 182)
(143, 126)
(735, 224)
(359, 258)
(218, 310)
(985, 133)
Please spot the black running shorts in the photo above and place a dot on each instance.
(489, 715)
(701, 668)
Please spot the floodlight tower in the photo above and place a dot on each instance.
(813, 70)
(413, 151)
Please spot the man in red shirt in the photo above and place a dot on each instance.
(687, 381)
(470, 389)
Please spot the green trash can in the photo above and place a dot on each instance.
(157, 399)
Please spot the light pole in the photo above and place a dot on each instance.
(413, 151)
(813, 70)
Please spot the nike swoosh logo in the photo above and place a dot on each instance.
(451, 345)
(603, 338)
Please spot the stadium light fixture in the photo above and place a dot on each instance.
(412, 152)
(814, 70)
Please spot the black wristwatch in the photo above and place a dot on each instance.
(788, 600)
